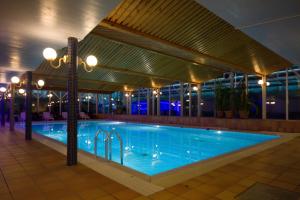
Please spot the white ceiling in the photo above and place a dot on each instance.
(273, 23)
(28, 26)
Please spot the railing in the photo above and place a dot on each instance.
(112, 133)
(108, 143)
(106, 139)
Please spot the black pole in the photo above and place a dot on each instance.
(28, 106)
(12, 109)
(72, 102)
(110, 104)
(2, 111)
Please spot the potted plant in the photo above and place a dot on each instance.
(219, 100)
(227, 102)
(244, 103)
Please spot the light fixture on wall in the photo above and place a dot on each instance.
(17, 82)
(2, 89)
(2, 92)
(156, 91)
(51, 55)
(260, 82)
(21, 91)
(40, 84)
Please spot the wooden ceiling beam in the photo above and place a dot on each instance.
(141, 74)
(123, 34)
(120, 86)
(82, 90)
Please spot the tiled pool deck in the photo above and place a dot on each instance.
(30, 170)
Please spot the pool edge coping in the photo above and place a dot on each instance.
(147, 185)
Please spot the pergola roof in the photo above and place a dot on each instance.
(158, 42)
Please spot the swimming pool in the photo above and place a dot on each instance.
(153, 149)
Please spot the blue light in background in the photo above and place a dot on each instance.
(164, 107)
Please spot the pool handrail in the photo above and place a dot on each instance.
(111, 133)
(107, 136)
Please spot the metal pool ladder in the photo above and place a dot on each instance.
(108, 143)
(112, 133)
(106, 134)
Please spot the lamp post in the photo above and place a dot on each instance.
(190, 100)
(2, 106)
(181, 99)
(169, 100)
(16, 82)
(263, 82)
(287, 94)
(51, 55)
(159, 93)
(198, 89)
(97, 104)
(28, 105)
(72, 60)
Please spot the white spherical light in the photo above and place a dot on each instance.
(15, 80)
(21, 91)
(260, 82)
(41, 83)
(195, 88)
(2, 89)
(49, 54)
(91, 61)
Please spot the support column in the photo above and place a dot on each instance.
(50, 104)
(60, 103)
(72, 102)
(215, 98)
(129, 103)
(190, 100)
(158, 102)
(97, 104)
(88, 103)
(3, 110)
(181, 99)
(38, 102)
(264, 97)
(153, 102)
(246, 83)
(79, 102)
(148, 101)
(110, 104)
(125, 100)
(287, 94)
(199, 92)
(103, 106)
(169, 100)
(12, 109)
(138, 103)
(28, 106)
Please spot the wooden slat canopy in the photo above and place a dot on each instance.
(158, 42)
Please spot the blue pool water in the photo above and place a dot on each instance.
(152, 149)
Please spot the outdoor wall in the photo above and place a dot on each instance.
(291, 126)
